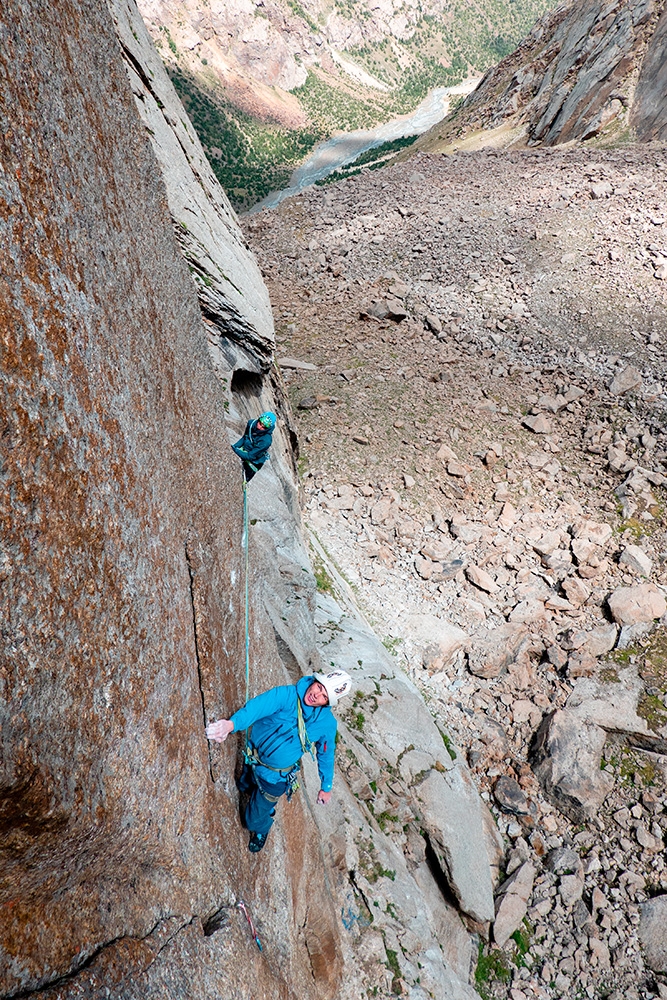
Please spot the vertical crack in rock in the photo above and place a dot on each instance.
(191, 577)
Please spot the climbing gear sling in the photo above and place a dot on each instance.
(241, 905)
(306, 745)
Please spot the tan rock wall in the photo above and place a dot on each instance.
(120, 564)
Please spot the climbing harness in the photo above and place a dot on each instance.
(240, 905)
(290, 773)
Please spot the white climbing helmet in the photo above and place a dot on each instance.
(337, 684)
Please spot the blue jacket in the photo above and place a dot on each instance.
(255, 443)
(275, 730)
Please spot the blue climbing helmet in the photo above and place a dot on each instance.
(267, 420)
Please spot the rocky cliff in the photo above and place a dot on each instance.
(587, 71)
(121, 595)
(137, 340)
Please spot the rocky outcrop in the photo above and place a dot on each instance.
(649, 113)
(569, 743)
(232, 295)
(414, 820)
(587, 69)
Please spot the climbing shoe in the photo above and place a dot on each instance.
(257, 841)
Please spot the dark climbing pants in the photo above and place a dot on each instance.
(260, 810)
(249, 471)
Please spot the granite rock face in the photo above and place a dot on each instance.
(121, 566)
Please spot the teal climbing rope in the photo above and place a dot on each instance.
(247, 603)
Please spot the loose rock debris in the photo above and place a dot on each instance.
(496, 459)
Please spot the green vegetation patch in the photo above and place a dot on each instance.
(370, 867)
(391, 644)
(378, 156)
(385, 819)
(250, 158)
(332, 109)
(394, 968)
(652, 709)
(654, 667)
(322, 579)
(492, 969)
(357, 721)
(633, 768)
(449, 745)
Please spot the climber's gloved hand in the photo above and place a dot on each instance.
(323, 797)
(220, 730)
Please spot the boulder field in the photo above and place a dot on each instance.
(477, 364)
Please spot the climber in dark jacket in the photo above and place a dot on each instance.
(283, 724)
(253, 447)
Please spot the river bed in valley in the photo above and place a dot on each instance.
(343, 149)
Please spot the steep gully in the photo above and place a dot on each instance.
(482, 408)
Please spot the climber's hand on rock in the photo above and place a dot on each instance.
(323, 797)
(220, 730)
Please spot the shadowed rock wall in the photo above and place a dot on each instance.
(232, 295)
(120, 566)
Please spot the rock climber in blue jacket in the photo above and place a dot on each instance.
(283, 724)
(253, 447)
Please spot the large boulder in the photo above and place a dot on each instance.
(625, 381)
(451, 813)
(609, 704)
(491, 651)
(437, 638)
(569, 743)
(567, 763)
(512, 903)
(632, 605)
(653, 932)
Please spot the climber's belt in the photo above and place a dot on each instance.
(289, 774)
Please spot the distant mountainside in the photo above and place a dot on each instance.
(589, 71)
(264, 80)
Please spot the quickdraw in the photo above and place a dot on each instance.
(240, 905)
